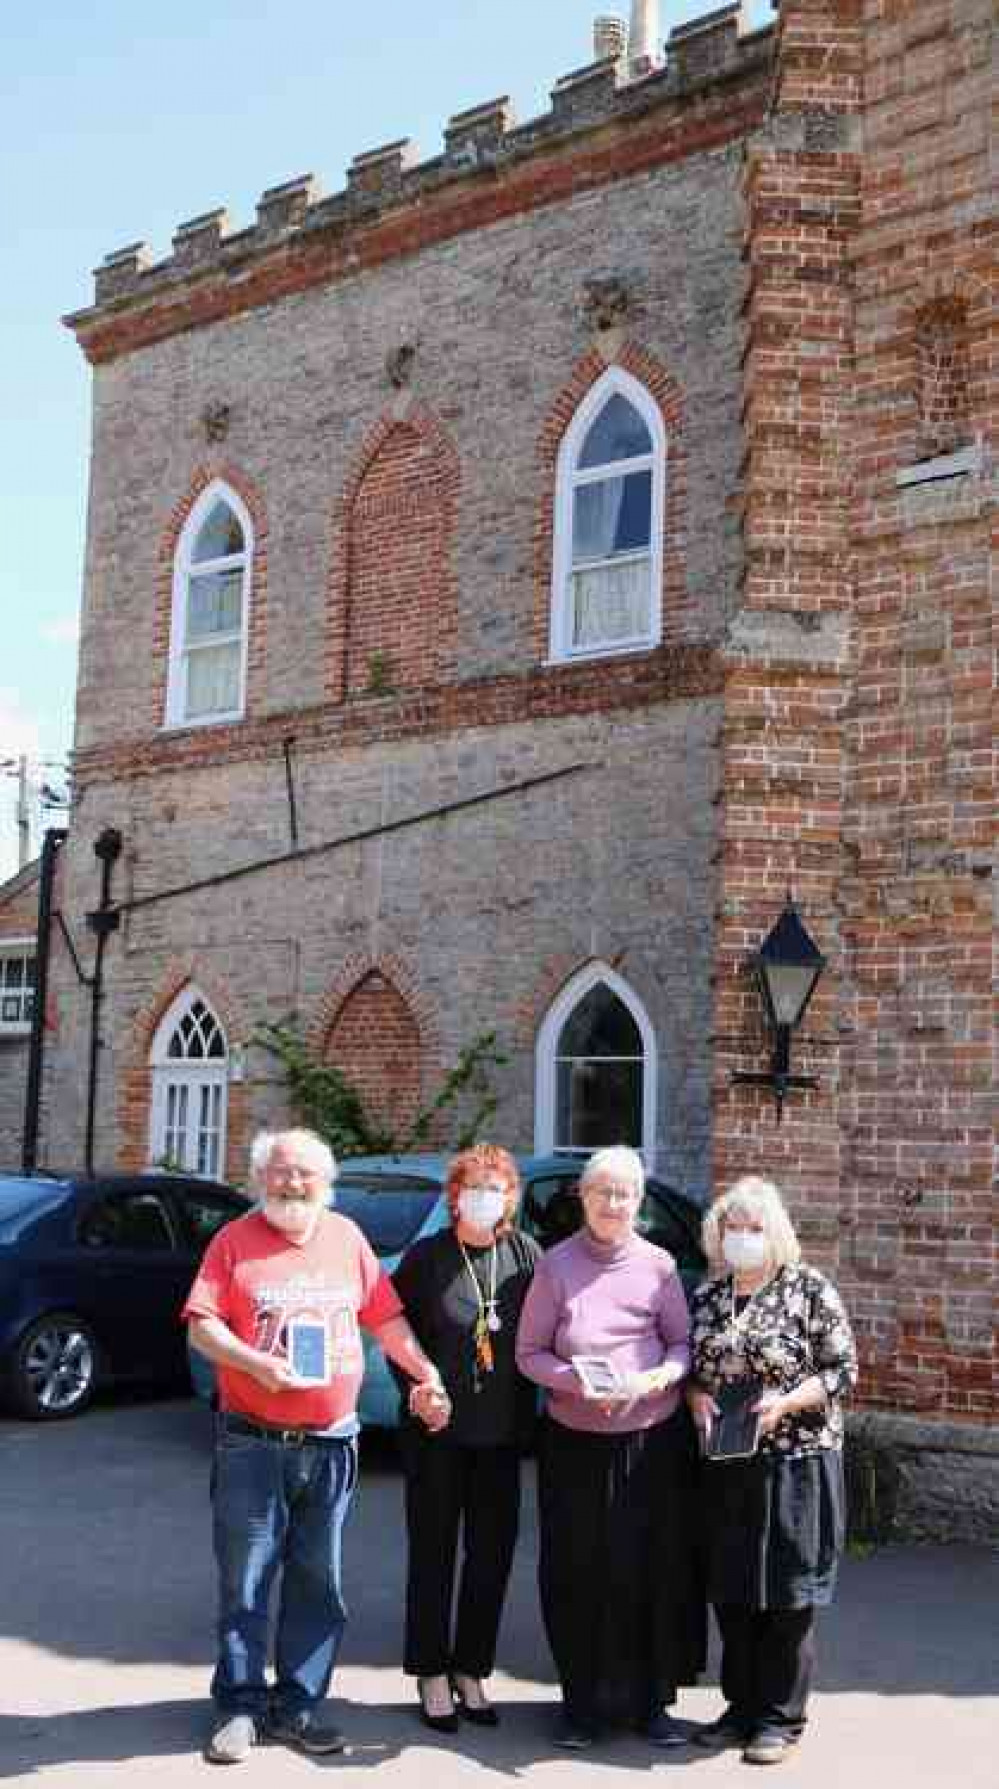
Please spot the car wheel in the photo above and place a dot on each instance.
(54, 1369)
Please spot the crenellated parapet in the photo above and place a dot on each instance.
(702, 63)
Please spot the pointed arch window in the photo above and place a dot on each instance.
(190, 1070)
(596, 1067)
(211, 599)
(609, 505)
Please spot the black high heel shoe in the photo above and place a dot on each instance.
(438, 1723)
(479, 1717)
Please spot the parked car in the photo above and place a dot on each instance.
(396, 1200)
(93, 1273)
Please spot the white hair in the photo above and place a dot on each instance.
(618, 1163)
(753, 1197)
(304, 1141)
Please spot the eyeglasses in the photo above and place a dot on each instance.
(611, 1195)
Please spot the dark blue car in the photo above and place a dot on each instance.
(93, 1273)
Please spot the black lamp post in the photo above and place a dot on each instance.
(787, 967)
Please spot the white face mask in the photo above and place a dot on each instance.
(295, 1217)
(745, 1249)
(481, 1208)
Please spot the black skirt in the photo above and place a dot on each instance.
(774, 1529)
(620, 1575)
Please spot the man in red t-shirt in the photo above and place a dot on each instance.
(278, 1305)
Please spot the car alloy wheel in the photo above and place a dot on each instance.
(55, 1373)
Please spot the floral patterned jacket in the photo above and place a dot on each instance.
(792, 1330)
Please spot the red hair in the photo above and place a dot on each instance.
(484, 1161)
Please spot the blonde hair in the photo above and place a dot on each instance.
(756, 1198)
(617, 1162)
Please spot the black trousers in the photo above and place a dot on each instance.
(768, 1657)
(449, 1488)
(618, 1571)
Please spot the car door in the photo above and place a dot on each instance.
(135, 1275)
(550, 1210)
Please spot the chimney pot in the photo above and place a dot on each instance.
(610, 38)
(643, 38)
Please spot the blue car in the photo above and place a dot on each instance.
(93, 1274)
(397, 1200)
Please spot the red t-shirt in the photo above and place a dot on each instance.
(255, 1279)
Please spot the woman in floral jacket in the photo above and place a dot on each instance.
(768, 1332)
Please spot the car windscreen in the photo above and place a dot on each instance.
(24, 1203)
(391, 1217)
(673, 1222)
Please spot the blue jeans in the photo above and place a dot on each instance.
(278, 1507)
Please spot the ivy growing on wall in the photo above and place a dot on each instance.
(323, 1099)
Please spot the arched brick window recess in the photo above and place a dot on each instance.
(574, 524)
(375, 1041)
(184, 1034)
(596, 1067)
(943, 376)
(394, 594)
(211, 597)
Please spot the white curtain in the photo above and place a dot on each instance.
(213, 680)
(611, 602)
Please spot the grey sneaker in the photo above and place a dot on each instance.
(770, 1747)
(232, 1741)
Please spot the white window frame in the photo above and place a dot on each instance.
(567, 481)
(172, 1071)
(24, 948)
(176, 700)
(546, 1059)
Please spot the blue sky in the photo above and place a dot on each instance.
(115, 126)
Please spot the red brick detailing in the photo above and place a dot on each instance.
(626, 147)
(375, 1024)
(670, 673)
(676, 611)
(783, 764)
(134, 1080)
(204, 475)
(393, 596)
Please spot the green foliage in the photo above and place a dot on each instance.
(381, 674)
(322, 1098)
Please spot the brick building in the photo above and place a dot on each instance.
(18, 923)
(595, 526)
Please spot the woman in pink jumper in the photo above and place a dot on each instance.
(605, 1330)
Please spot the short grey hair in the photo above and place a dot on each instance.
(757, 1198)
(617, 1162)
(306, 1141)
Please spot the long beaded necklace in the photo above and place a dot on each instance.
(488, 1321)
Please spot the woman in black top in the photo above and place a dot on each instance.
(462, 1290)
(769, 1337)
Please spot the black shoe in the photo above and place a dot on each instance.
(438, 1723)
(770, 1746)
(662, 1730)
(305, 1732)
(728, 1730)
(481, 1714)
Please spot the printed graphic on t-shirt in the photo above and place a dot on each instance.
(306, 1296)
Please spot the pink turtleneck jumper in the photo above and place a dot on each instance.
(623, 1300)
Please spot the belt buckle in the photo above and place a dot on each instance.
(293, 1437)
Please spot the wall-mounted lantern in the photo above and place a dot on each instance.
(787, 968)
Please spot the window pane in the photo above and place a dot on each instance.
(214, 605)
(219, 535)
(10, 1009)
(618, 433)
(600, 1025)
(611, 602)
(614, 515)
(597, 1103)
(213, 681)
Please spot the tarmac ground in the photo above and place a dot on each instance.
(107, 1608)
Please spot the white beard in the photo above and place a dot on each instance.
(293, 1217)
